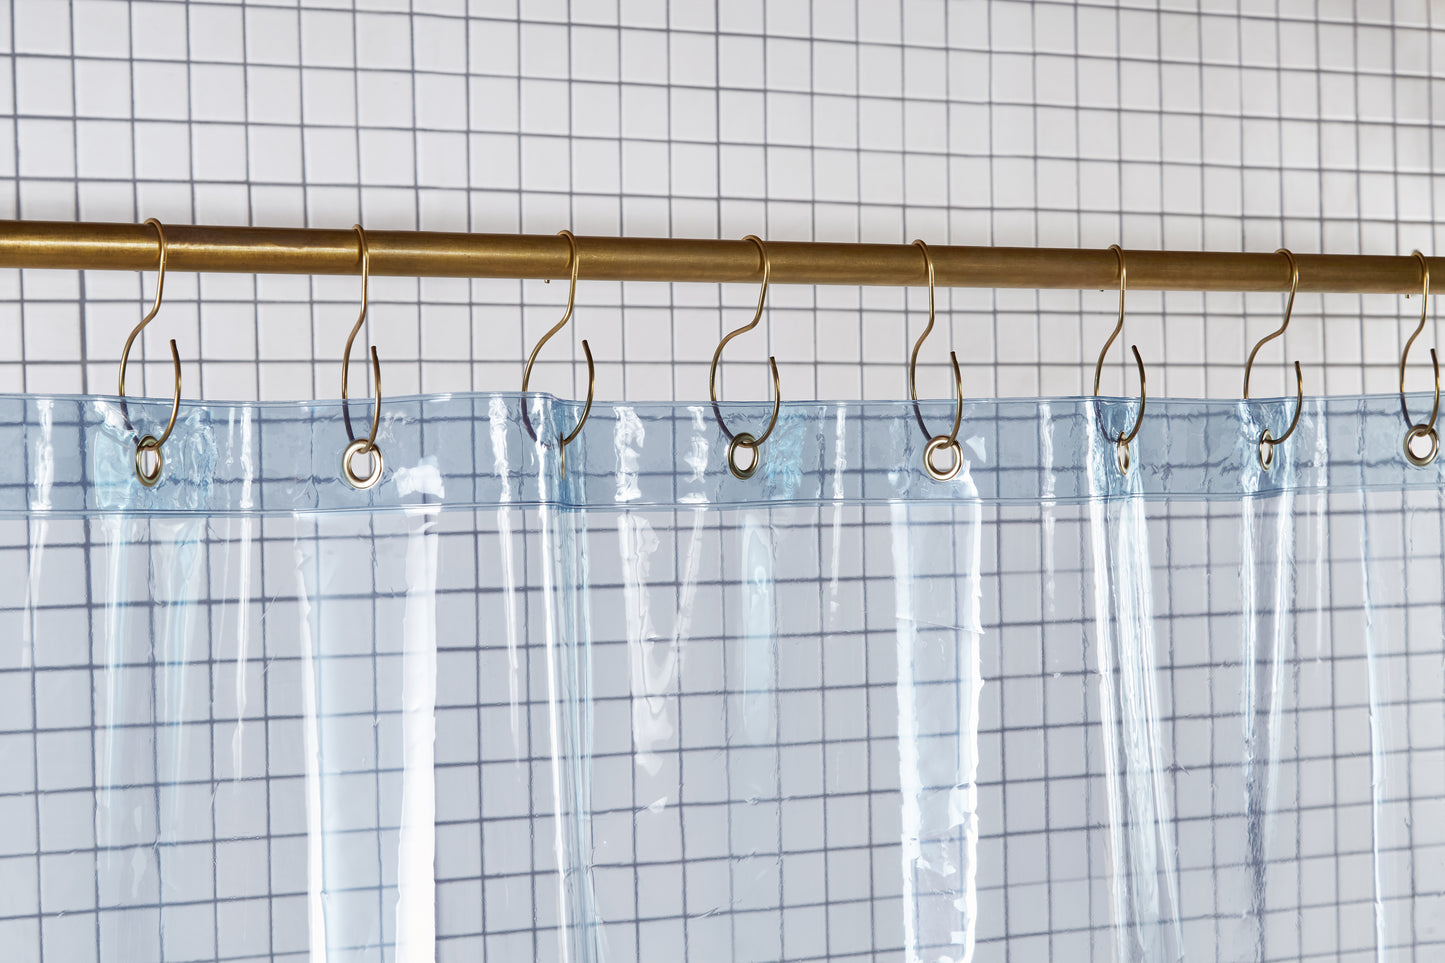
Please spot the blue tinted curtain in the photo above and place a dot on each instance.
(646, 710)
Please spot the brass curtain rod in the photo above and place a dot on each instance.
(70, 245)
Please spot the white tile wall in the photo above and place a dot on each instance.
(1218, 124)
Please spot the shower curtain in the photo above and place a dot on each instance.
(645, 710)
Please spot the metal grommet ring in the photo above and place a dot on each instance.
(1122, 458)
(1267, 444)
(1421, 431)
(743, 440)
(941, 443)
(352, 450)
(148, 444)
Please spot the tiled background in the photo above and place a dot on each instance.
(1219, 124)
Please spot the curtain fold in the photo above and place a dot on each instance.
(643, 709)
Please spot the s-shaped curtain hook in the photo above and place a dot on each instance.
(148, 458)
(368, 444)
(1121, 454)
(1268, 442)
(744, 440)
(936, 443)
(563, 440)
(1424, 429)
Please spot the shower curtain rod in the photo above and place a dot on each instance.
(93, 245)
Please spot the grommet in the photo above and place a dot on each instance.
(352, 478)
(741, 441)
(942, 443)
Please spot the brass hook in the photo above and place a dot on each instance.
(936, 443)
(1122, 455)
(1268, 442)
(150, 443)
(361, 445)
(743, 439)
(564, 440)
(1425, 429)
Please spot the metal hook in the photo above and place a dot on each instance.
(1122, 456)
(1268, 442)
(564, 440)
(1425, 429)
(936, 443)
(743, 439)
(361, 445)
(150, 443)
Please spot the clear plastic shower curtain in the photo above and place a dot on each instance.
(646, 710)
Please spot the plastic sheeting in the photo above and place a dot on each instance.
(645, 710)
